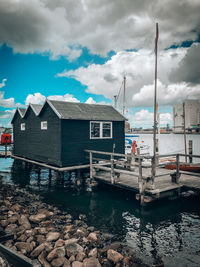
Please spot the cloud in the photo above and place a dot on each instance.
(66, 97)
(138, 66)
(9, 102)
(36, 98)
(189, 67)
(145, 118)
(6, 114)
(60, 26)
(3, 83)
(90, 100)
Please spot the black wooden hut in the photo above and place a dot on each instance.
(58, 132)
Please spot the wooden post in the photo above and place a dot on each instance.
(153, 171)
(177, 168)
(38, 172)
(91, 168)
(140, 182)
(50, 176)
(190, 151)
(6, 146)
(184, 132)
(112, 169)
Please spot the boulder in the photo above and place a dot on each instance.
(66, 263)
(4, 223)
(58, 262)
(37, 218)
(11, 227)
(114, 256)
(93, 253)
(23, 220)
(80, 256)
(24, 247)
(56, 253)
(91, 262)
(13, 219)
(59, 243)
(52, 236)
(92, 237)
(38, 250)
(77, 264)
(16, 207)
(42, 259)
(73, 249)
(70, 241)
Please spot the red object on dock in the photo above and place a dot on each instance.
(5, 137)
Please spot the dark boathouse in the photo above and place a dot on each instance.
(58, 132)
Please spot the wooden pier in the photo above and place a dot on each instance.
(135, 173)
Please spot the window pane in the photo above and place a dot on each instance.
(95, 129)
(106, 130)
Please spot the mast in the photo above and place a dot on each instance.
(184, 132)
(115, 101)
(155, 106)
(124, 96)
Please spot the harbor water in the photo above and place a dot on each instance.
(166, 229)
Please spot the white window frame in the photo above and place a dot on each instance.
(101, 129)
(44, 127)
(23, 126)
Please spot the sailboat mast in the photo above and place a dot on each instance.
(155, 96)
(124, 96)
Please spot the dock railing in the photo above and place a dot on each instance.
(117, 163)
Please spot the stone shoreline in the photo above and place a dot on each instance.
(51, 237)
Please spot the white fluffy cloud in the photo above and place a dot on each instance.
(90, 100)
(61, 26)
(66, 97)
(36, 98)
(6, 114)
(138, 67)
(3, 83)
(145, 118)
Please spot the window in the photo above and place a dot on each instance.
(43, 125)
(100, 130)
(22, 126)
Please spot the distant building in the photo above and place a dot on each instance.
(192, 115)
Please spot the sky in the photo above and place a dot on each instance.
(80, 51)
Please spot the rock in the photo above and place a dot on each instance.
(23, 220)
(46, 212)
(80, 256)
(58, 262)
(85, 240)
(66, 263)
(59, 243)
(16, 207)
(30, 232)
(91, 262)
(93, 253)
(4, 223)
(30, 239)
(73, 249)
(42, 259)
(40, 239)
(91, 228)
(24, 247)
(52, 236)
(70, 241)
(13, 219)
(77, 264)
(37, 218)
(114, 256)
(81, 232)
(11, 227)
(38, 250)
(42, 230)
(93, 237)
(72, 258)
(22, 238)
(56, 253)
(68, 228)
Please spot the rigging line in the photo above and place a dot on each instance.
(120, 90)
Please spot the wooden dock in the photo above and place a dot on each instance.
(131, 173)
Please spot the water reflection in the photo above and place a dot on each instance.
(167, 229)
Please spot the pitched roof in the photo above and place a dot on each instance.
(22, 111)
(80, 111)
(36, 108)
